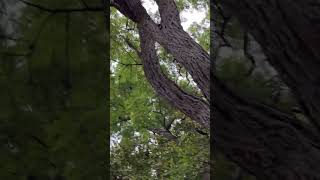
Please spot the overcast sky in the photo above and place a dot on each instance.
(187, 16)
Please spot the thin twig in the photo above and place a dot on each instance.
(247, 54)
(84, 3)
(124, 64)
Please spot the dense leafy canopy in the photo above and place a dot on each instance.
(137, 150)
(53, 85)
(53, 93)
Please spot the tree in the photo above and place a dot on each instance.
(150, 139)
(53, 106)
(53, 90)
(281, 146)
(265, 141)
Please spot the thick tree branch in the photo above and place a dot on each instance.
(132, 9)
(169, 13)
(195, 108)
(175, 41)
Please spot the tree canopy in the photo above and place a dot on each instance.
(150, 138)
(53, 89)
(234, 95)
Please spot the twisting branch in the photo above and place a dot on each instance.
(192, 106)
(199, 59)
(149, 32)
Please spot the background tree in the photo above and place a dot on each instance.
(53, 87)
(267, 139)
(255, 130)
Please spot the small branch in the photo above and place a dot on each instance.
(168, 126)
(132, 46)
(84, 3)
(188, 80)
(39, 141)
(124, 64)
(201, 132)
(247, 54)
(164, 133)
(121, 45)
(221, 33)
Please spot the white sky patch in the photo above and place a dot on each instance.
(115, 139)
(192, 16)
(187, 16)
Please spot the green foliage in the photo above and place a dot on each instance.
(53, 104)
(137, 152)
(234, 72)
(53, 116)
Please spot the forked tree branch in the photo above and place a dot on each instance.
(262, 139)
(183, 48)
(192, 106)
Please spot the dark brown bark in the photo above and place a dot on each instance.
(184, 49)
(262, 140)
(192, 106)
(289, 33)
(170, 35)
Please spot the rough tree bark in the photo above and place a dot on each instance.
(262, 140)
(289, 34)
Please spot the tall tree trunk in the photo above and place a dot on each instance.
(289, 34)
(262, 140)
